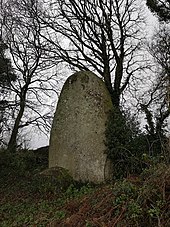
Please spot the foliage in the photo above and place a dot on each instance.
(125, 144)
(161, 8)
(157, 105)
(38, 200)
(129, 149)
(145, 202)
(6, 71)
(7, 76)
(160, 92)
(159, 95)
(16, 163)
(36, 197)
(74, 191)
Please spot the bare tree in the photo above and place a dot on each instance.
(35, 81)
(157, 105)
(103, 36)
(161, 53)
(160, 50)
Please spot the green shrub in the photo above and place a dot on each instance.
(19, 163)
(5, 158)
(130, 150)
(125, 143)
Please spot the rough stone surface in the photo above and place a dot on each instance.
(78, 131)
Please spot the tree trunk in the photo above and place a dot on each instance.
(117, 84)
(107, 80)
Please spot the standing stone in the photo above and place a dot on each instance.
(78, 131)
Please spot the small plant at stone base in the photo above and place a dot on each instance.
(88, 224)
(134, 210)
(74, 191)
(155, 212)
(59, 214)
(123, 191)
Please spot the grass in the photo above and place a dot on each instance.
(52, 198)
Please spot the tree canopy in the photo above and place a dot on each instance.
(101, 36)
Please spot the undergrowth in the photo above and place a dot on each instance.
(32, 197)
